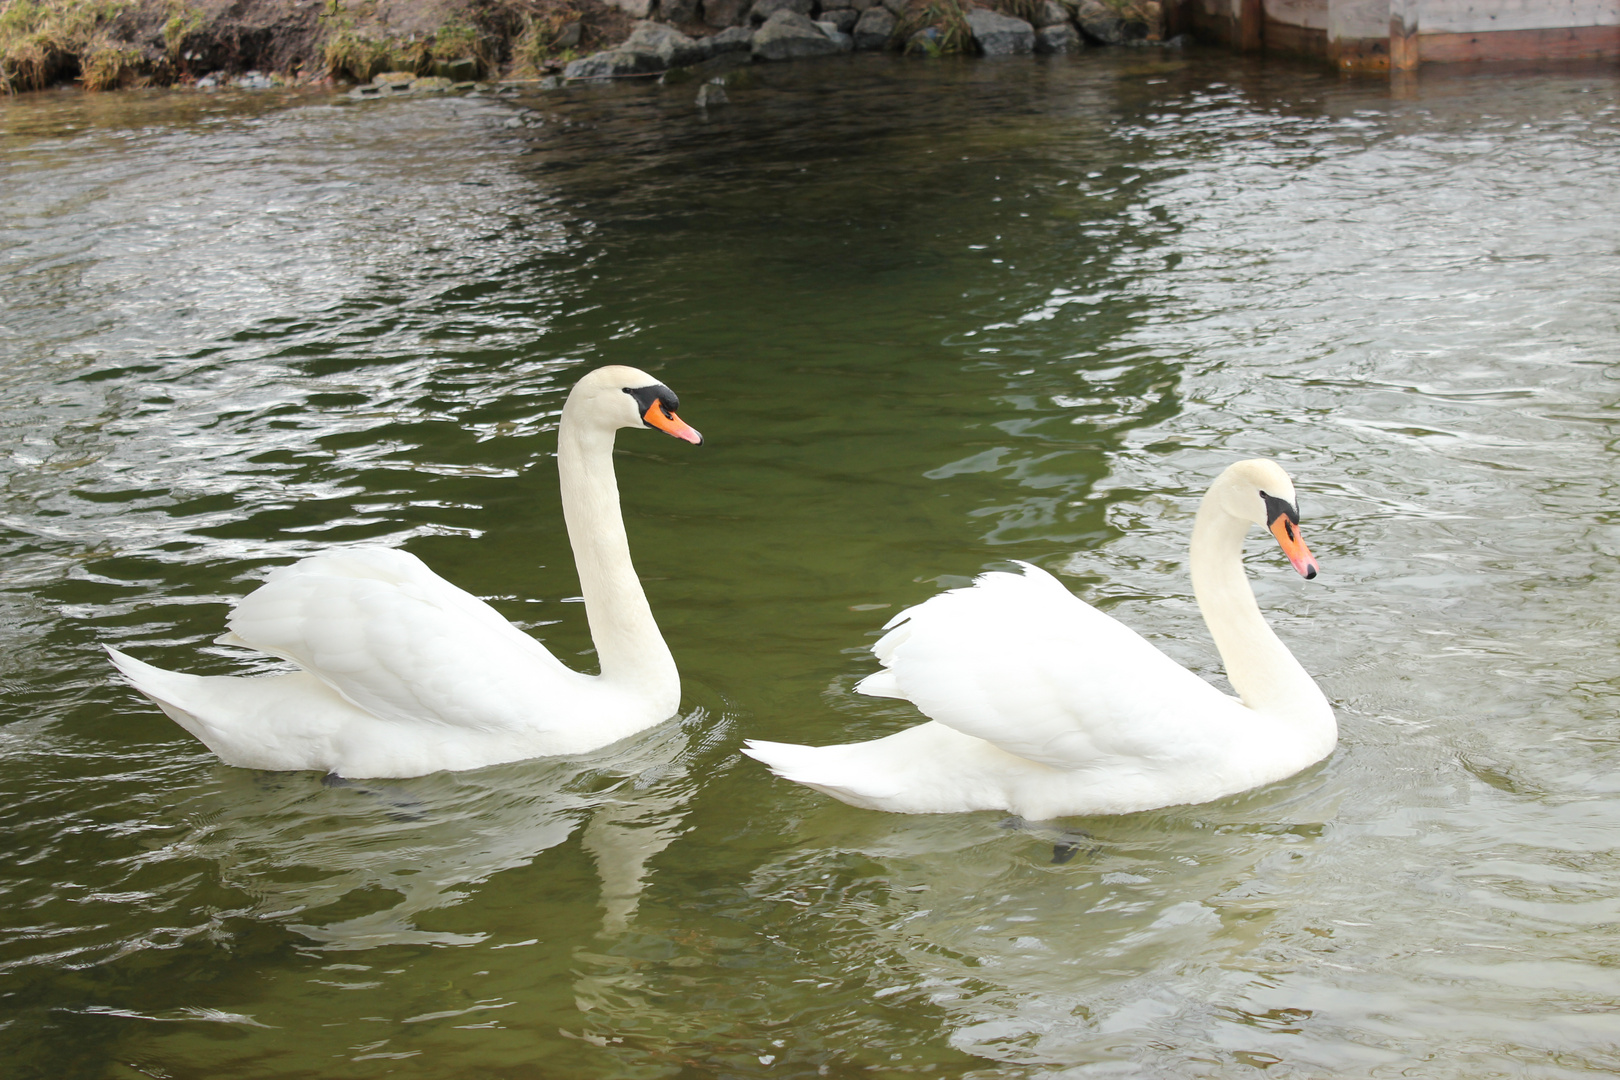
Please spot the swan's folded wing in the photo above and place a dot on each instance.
(395, 639)
(1019, 661)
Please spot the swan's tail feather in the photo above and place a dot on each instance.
(833, 770)
(166, 689)
(880, 684)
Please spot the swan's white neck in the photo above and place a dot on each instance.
(628, 645)
(1258, 665)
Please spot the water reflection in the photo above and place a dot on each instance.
(354, 865)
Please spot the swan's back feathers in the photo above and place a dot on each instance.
(393, 638)
(1019, 661)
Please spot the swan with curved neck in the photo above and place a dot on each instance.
(401, 673)
(1043, 706)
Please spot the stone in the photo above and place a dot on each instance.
(568, 37)
(464, 69)
(873, 29)
(710, 94)
(614, 63)
(836, 5)
(1051, 13)
(787, 35)
(731, 39)
(897, 8)
(726, 12)
(841, 19)
(1054, 40)
(1100, 22)
(357, 93)
(394, 78)
(678, 12)
(671, 47)
(762, 10)
(432, 84)
(1000, 35)
(844, 42)
(636, 9)
(862, 5)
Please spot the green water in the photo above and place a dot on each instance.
(930, 318)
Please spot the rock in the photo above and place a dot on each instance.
(357, 93)
(1000, 35)
(844, 42)
(873, 29)
(726, 12)
(1100, 22)
(568, 37)
(787, 35)
(841, 19)
(764, 9)
(636, 9)
(678, 12)
(1051, 13)
(897, 8)
(464, 69)
(671, 47)
(712, 93)
(394, 78)
(731, 39)
(614, 63)
(1061, 38)
(432, 84)
(862, 5)
(253, 80)
(214, 80)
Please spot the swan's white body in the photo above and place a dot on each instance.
(1045, 706)
(403, 674)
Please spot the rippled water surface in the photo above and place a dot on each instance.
(931, 317)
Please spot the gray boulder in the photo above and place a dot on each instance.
(897, 8)
(712, 93)
(671, 47)
(844, 42)
(1000, 35)
(1061, 38)
(726, 12)
(861, 5)
(836, 5)
(613, 64)
(787, 35)
(636, 9)
(730, 40)
(764, 9)
(842, 19)
(1102, 23)
(1051, 13)
(873, 29)
(678, 12)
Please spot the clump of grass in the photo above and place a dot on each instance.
(542, 40)
(184, 21)
(44, 40)
(946, 16)
(362, 56)
(108, 65)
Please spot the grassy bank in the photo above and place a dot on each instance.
(106, 44)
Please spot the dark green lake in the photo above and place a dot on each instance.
(930, 317)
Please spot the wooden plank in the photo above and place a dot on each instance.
(1479, 16)
(1572, 43)
(1307, 13)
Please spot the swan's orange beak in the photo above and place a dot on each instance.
(1293, 545)
(661, 418)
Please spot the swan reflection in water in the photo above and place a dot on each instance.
(355, 864)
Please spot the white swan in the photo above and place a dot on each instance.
(1044, 706)
(403, 674)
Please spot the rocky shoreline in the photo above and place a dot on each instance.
(437, 45)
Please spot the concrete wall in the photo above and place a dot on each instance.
(1406, 33)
